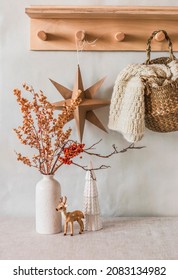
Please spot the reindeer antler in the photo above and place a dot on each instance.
(60, 199)
(65, 200)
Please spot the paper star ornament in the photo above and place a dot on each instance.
(84, 111)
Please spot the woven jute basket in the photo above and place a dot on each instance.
(161, 102)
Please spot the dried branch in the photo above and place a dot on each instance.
(130, 147)
(91, 169)
(92, 146)
(43, 132)
(115, 150)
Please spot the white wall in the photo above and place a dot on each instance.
(140, 183)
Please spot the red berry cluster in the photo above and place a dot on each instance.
(71, 151)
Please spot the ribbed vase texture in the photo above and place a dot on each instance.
(91, 206)
(48, 192)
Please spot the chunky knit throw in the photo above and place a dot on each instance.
(127, 109)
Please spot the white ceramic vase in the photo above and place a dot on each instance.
(48, 192)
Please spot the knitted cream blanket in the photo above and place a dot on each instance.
(127, 109)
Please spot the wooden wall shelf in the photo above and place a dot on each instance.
(101, 28)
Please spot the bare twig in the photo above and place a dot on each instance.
(90, 169)
(115, 151)
(92, 146)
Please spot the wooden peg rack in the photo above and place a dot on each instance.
(101, 28)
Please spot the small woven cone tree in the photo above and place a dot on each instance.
(91, 207)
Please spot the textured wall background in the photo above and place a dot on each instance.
(139, 183)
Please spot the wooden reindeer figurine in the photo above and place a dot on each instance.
(70, 216)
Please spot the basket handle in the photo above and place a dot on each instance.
(148, 49)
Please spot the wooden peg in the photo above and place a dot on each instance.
(119, 36)
(80, 35)
(42, 35)
(159, 36)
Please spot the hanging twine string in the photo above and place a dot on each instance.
(81, 44)
(79, 49)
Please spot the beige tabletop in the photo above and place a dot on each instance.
(120, 238)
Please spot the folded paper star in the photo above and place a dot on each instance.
(84, 110)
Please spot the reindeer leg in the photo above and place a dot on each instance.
(81, 225)
(71, 228)
(65, 228)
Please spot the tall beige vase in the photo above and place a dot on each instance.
(48, 192)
